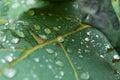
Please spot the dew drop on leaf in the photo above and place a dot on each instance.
(15, 5)
(9, 73)
(60, 39)
(62, 73)
(47, 30)
(86, 39)
(37, 27)
(36, 59)
(85, 76)
(15, 40)
(9, 58)
(59, 63)
(49, 50)
(116, 56)
(31, 12)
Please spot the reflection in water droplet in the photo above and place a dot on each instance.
(85, 76)
(49, 50)
(59, 63)
(9, 73)
(60, 39)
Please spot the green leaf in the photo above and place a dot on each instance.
(50, 43)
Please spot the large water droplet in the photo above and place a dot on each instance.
(9, 73)
(85, 76)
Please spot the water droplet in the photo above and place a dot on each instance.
(4, 38)
(37, 27)
(49, 50)
(15, 5)
(50, 66)
(97, 35)
(62, 73)
(47, 30)
(86, 39)
(2, 60)
(36, 59)
(59, 63)
(9, 58)
(85, 76)
(43, 36)
(60, 39)
(88, 33)
(20, 34)
(101, 56)
(30, 2)
(15, 40)
(116, 56)
(55, 28)
(31, 12)
(9, 73)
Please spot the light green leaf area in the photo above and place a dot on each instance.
(52, 44)
(116, 6)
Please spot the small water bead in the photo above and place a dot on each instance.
(49, 50)
(31, 12)
(59, 63)
(102, 56)
(20, 34)
(50, 66)
(85, 76)
(3, 38)
(88, 33)
(75, 6)
(36, 59)
(62, 73)
(43, 36)
(15, 40)
(9, 58)
(37, 27)
(87, 39)
(9, 73)
(60, 39)
(117, 57)
(47, 31)
(97, 36)
(3, 61)
(56, 28)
